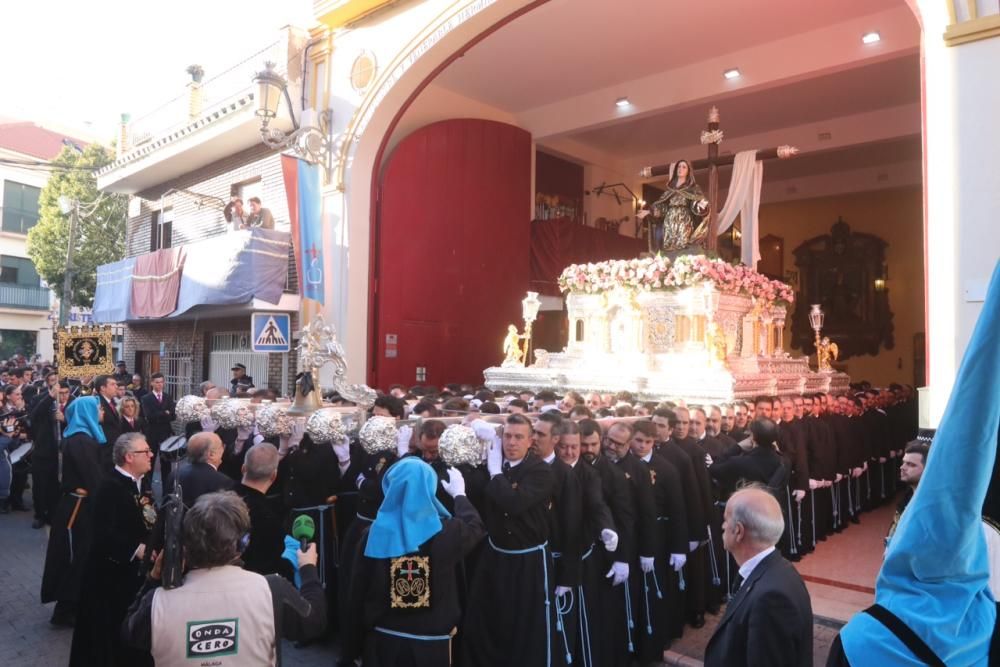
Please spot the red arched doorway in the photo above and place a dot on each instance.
(451, 251)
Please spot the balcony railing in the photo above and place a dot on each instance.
(215, 92)
(24, 296)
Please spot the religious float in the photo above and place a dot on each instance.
(693, 327)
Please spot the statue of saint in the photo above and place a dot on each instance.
(826, 352)
(683, 208)
(513, 354)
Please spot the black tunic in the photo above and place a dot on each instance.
(267, 535)
(83, 468)
(371, 606)
(113, 576)
(565, 518)
(511, 617)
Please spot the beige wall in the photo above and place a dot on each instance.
(897, 217)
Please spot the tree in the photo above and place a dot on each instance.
(100, 229)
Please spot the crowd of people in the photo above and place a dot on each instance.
(595, 529)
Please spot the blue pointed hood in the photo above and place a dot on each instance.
(410, 514)
(935, 574)
(81, 417)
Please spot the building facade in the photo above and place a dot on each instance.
(181, 165)
(26, 304)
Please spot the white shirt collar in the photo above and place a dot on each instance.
(549, 459)
(129, 475)
(748, 567)
(647, 458)
(514, 464)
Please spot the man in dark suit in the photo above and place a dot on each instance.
(267, 535)
(199, 473)
(158, 411)
(106, 388)
(769, 621)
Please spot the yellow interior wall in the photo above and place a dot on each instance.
(896, 216)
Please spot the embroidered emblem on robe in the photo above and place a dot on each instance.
(410, 582)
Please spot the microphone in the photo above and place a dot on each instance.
(303, 529)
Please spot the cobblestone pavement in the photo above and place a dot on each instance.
(27, 639)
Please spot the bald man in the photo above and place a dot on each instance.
(199, 473)
(769, 621)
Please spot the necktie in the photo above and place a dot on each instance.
(159, 398)
(506, 466)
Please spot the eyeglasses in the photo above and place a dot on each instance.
(616, 443)
(141, 451)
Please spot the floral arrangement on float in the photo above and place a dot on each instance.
(660, 273)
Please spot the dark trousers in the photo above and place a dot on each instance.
(18, 481)
(44, 487)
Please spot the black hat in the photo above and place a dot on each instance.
(122, 363)
(240, 367)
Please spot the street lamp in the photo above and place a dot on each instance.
(309, 142)
(816, 318)
(68, 207)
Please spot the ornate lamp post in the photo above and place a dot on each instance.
(315, 144)
(529, 311)
(816, 318)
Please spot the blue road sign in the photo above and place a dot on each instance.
(271, 332)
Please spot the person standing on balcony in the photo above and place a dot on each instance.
(259, 216)
(234, 215)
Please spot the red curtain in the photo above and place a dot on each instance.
(156, 280)
(555, 244)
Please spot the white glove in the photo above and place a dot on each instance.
(494, 458)
(881, 459)
(856, 472)
(708, 459)
(677, 561)
(242, 435)
(343, 450)
(839, 477)
(455, 484)
(646, 563)
(562, 590)
(298, 430)
(610, 539)
(403, 437)
(798, 494)
(618, 574)
(692, 546)
(814, 484)
(484, 430)
(359, 481)
(746, 444)
(208, 424)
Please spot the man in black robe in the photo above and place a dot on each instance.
(703, 569)
(611, 627)
(47, 420)
(662, 611)
(511, 618)
(114, 569)
(267, 534)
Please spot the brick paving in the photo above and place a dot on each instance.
(27, 639)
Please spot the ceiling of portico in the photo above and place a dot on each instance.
(568, 47)
(558, 69)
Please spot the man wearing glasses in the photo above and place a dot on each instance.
(114, 572)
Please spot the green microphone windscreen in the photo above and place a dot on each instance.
(303, 527)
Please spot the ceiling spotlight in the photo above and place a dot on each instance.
(871, 38)
(622, 102)
(731, 73)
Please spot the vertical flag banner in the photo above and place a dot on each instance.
(302, 187)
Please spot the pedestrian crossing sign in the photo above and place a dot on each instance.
(271, 332)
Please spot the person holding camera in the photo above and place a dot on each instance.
(222, 614)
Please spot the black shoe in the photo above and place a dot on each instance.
(698, 620)
(38, 523)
